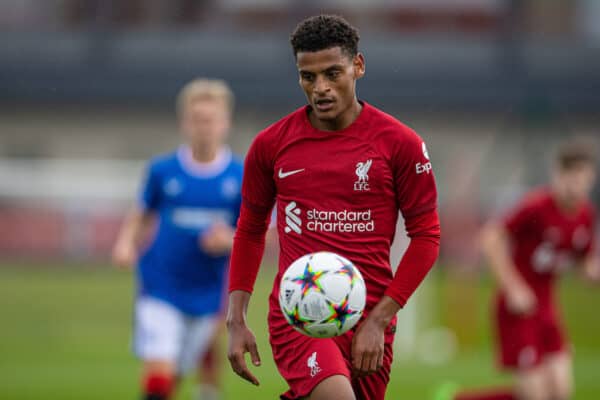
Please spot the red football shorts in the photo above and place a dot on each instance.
(524, 342)
(304, 361)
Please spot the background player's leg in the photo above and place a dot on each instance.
(157, 342)
(198, 333)
(158, 379)
(559, 369)
(532, 383)
(487, 394)
(335, 387)
(210, 368)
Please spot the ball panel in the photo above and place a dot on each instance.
(314, 307)
(335, 286)
(322, 330)
(357, 298)
(351, 320)
(289, 295)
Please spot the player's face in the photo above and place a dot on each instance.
(328, 78)
(574, 185)
(205, 122)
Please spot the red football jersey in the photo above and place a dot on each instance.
(340, 191)
(547, 240)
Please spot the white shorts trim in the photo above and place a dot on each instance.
(164, 333)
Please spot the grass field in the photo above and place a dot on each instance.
(65, 334)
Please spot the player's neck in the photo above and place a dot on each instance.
(565, 205)
(344, 120)
(204, 154)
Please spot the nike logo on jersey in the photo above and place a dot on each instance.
(288, 173)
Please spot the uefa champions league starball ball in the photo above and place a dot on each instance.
(322, 294)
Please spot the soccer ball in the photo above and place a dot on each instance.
(322, 294)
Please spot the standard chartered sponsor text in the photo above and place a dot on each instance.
(339, 221)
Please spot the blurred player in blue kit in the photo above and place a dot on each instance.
(190, 200)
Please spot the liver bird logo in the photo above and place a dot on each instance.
(362, 170)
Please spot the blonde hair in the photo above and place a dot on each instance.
(205, 89)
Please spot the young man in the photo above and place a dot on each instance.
(324, 164)
(191, 197)
(549, 230)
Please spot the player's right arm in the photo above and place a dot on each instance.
(138, 221)
(495, 241)
(258, 195)
(135, 226)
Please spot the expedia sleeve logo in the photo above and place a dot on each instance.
(424, 167)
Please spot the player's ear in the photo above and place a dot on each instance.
(358, 63)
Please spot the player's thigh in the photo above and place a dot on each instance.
(532, 383)
(157, 332)
(519, 340)
(334, 387)
(559, 370)
(198, 333)
(305, 362)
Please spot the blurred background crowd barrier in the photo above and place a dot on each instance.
(87, 90)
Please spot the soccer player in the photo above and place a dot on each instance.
(191, 198)
(339, 170)
(550, 229)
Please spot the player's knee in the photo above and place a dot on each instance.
(335, 387)
(532, 385)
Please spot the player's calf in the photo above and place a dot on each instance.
(158, 381)
(157, 386)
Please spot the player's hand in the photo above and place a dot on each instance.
(124, 255)
(521, 301)
(591, 269)
(218, 240)
(242, 341)
(367, 348)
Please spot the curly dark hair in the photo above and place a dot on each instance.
(322, 32)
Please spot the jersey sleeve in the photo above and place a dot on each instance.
(416, 196)
(593, 239)
(424, 232)
(258, 197)
(238, 201)
(416, 192)
(258, 186)
(149, 196)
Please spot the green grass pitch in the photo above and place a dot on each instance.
(65, 334)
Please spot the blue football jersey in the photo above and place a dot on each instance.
(188, 199)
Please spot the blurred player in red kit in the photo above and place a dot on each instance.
(339, 170)
(550, 229)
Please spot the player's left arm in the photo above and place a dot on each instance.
(591, 257)
(421, 254)
(218, 239)
(591, 268)
(417, 198)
